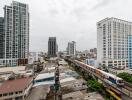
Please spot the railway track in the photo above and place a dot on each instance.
(128, 86)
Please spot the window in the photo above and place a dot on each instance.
(103, 61)
(5, 94)
(109, 61)
(11, 93)
(20, 91)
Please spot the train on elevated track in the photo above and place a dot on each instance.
(102, 74)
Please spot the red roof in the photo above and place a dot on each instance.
(15, 85)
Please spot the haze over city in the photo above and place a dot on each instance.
(65, 50)
(70, 20)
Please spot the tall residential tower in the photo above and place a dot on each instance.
(71, 48)
(112, 42)
(2, 47)
(16, 34)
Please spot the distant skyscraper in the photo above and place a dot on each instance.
(16, 18)
(71, 48)
(2, 48)
(112, 42)
(94, 50)
(52, 47)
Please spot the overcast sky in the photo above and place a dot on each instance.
(70, 20)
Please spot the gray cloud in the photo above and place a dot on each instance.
(70, 20)
(102, 3)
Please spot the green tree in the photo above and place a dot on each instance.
(126, 77)
(95, 85)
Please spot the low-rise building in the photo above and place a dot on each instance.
(78, 95)
(116, 71)
(91, 62)
(39, 93)
(21, 70)
(44, 79)
(67, 81)
(17, 89)
(63, 62)
(5, 76)
(12, 69)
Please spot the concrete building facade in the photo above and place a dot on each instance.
(18, 89)
(91, 62)
(94, 50)
(2, 38)
(130, 51)
(71, 48)
(112, 42)
(52, 47)
(16, 34)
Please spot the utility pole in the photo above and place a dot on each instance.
(57, 86)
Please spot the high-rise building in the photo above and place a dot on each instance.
(130, 51)
(52, 47)
(16, 34)
(2, 38)
(71, 48)
(112, 42)
(94, 50)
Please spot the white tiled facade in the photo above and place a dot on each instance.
(16, 32)
(71, 48)
(112, 42)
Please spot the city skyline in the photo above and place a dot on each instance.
(65, 49)
(70, 20)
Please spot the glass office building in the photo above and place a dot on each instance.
(130, 51)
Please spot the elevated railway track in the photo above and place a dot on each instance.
(112, 83)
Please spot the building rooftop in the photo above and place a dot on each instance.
(50, 68)
(67, 79)
(93, 96)
(112, 18)
(12, 69)
(73, 96)
(44, 83)
(5, 76)
(116, 71)
(78, 95)
(39, 92)
(44, 75)
(15, 85)
(62, 62)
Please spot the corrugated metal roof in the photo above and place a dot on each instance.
(15, 85)
(44, 75)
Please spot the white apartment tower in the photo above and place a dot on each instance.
(16, 32)
(112, 42)
(71, 48)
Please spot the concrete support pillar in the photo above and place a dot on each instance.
(23, 98)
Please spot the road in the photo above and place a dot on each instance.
(38, 93)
